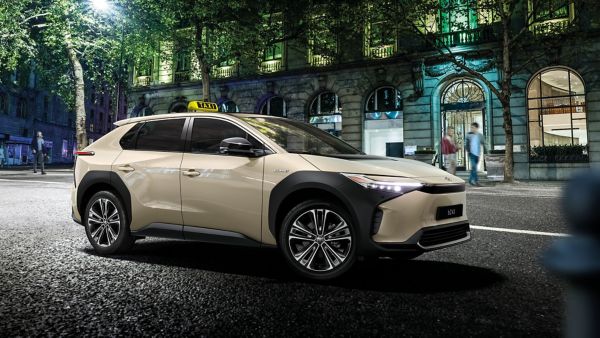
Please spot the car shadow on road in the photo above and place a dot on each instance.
(385, 275)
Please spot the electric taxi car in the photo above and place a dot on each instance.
(256, 180)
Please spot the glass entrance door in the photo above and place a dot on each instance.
(461, 121)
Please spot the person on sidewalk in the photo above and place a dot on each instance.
(474, 145)
(39, 152)
(449, 151)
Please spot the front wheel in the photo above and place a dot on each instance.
(106, 225)
(318, 240)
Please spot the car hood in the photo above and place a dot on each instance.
(383, 166)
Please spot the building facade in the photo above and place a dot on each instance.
(393, 96)
(26, 109)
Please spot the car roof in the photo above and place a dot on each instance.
(187, 114)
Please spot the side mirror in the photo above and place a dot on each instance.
(238, 146)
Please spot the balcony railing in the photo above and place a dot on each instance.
(271, 66)
(380, 52)
(320, 60)
(466, 37)
(556, 26)
(182, 76)
(143, 81)
(225, 71)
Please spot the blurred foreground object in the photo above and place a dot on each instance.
(577, 258)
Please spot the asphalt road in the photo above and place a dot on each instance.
(52, 283)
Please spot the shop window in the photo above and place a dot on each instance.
(383, 123)
(557, 117)
(275, 106)
(326, 113)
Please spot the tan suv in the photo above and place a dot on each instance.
(262, 181)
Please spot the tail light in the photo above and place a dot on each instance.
(80, 153)
(84, 153)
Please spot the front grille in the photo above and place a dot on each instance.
(437, 236)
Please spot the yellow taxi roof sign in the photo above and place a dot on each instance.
(203, 106)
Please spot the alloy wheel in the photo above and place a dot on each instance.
(320, 240)
(104, 222)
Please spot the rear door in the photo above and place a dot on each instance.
(220, 191)
(149, 166)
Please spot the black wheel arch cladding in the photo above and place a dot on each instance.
(360, 203)
(109, 178)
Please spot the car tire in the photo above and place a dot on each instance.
(106, 224)
(322, 252)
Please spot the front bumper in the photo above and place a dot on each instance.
(408, 224)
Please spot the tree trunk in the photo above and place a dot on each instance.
(508, 154)
(204, 67)
(506, 84)
(80, 131)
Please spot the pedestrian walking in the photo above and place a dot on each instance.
(474, 145)
(449, 151)
(39, 152)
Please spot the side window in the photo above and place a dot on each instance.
(127, 142)
(163, 135)
(207, 135)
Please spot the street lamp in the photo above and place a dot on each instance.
(100, 5)
(104, 6)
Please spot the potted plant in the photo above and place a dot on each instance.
(494, 163)
(559, 154)
(423, 155)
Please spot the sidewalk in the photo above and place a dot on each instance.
(28, 171)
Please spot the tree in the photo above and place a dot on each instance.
(17, 19)
(517, 25)
(71, 46)
(74, 38)
(222, 32)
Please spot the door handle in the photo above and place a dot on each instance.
(125, 168)
(191, 173)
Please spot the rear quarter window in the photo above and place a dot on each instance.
(127, 142)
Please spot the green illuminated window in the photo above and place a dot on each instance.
(551, 9)
(322, 40)
(274, 27)
(458, 15)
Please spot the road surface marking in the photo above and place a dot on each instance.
(31, 181)
(518, 231)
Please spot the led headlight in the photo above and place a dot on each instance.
(395, 185)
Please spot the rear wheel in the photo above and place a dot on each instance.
(318, 240)
(106, 225)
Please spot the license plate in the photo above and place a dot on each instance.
(449, 212)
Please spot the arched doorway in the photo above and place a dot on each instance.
(462, 103)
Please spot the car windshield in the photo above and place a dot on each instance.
(300, 138)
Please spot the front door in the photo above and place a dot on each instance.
(221, 191)
(461, 121)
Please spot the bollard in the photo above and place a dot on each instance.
(577, 258)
